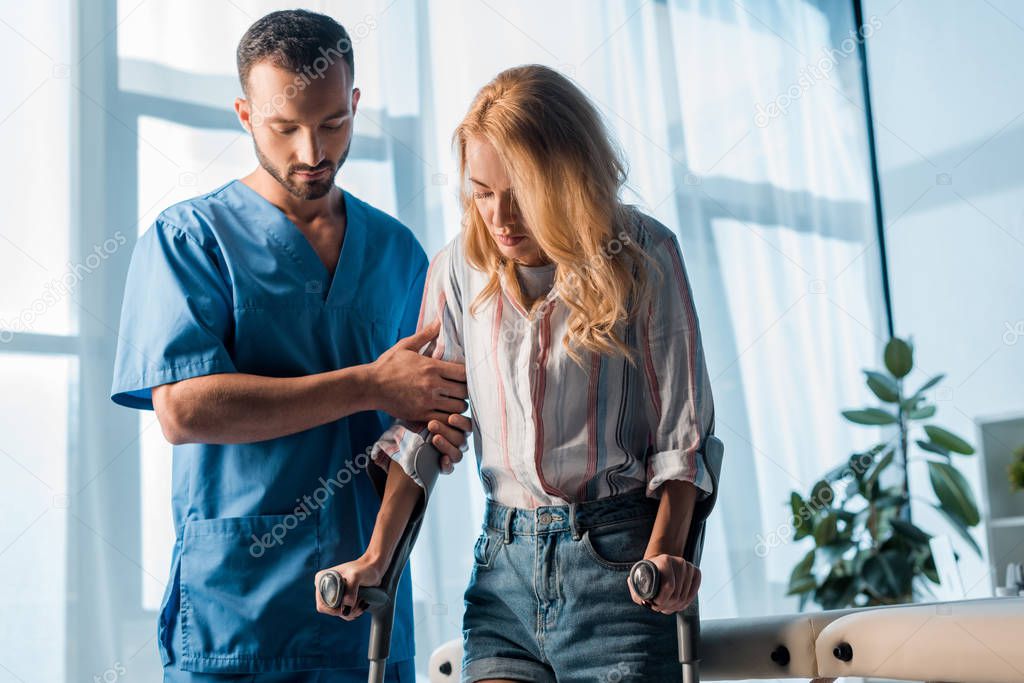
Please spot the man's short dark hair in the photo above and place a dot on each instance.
(298, 40)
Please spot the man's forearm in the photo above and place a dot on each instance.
(241, 408)
(672, 525)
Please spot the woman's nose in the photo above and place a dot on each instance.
(504, 213)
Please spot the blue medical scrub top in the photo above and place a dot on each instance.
(226, 282)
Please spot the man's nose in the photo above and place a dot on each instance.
(311, 151)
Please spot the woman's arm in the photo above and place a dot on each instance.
(682, 418)
(396, 449)
(679, 579)
(672, 525)
(401, 494)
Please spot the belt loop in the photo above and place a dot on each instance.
(572, 522)
(508, 524)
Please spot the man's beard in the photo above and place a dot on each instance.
(313, 189)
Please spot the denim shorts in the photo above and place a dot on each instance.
(548, 597)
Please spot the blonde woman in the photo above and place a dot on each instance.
(589, 393)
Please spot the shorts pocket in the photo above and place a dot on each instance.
(247, 594)
(486, 547)
(619, 545)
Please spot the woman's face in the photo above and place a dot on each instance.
(492, 194)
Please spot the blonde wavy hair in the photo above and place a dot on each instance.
(566, 175)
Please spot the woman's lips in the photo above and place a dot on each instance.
(510, 240)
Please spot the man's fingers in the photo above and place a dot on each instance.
(453, 371)
(416, 341)
(450, 405)
(454, 389)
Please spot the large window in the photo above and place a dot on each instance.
(38, 342)
(745, 130)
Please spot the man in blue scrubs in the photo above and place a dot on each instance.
(264, 323)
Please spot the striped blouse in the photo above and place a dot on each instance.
(548, 431)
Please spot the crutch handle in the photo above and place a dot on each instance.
(332, 589)
(645, 579)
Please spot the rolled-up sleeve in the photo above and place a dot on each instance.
(441, 299)
(679, 389)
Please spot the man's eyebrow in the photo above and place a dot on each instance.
(336, 115)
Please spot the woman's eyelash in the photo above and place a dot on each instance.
(481, 195)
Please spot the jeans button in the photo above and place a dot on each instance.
(544, 518)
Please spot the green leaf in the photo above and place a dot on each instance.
(929, 569)
(921, 413)
(837, 591)
(954, 492)
(805, 564)
(870, 416)
(899, 357)
(929, 384)
(889, 500)
(825, 529)
(801, 580)
(948, 440)
(933, 448)
(960, 528)
(822, 496)
(883, 386)
(888, 573)
(801, 585)
(833, 552)
(801, 516)
(841, 470)
(846, 516)
(911, 402)
(872, 481)
(910, 531)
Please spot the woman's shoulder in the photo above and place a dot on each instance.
(449, 264)
(647, 232)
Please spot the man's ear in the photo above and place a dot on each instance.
(355, 100)
(244, 113)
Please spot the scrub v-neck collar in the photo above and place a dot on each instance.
(339, 289)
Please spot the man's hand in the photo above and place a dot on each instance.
(450, 438)
(679, 583)
(411, 386)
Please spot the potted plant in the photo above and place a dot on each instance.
(1016, 470)
(866, 549)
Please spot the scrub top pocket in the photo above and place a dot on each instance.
(247, 601)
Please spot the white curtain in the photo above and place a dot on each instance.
(755, 159)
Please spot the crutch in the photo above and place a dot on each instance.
(646, 580)
(381, 599)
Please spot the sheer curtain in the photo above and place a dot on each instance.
(739, 135)
(774, 214)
